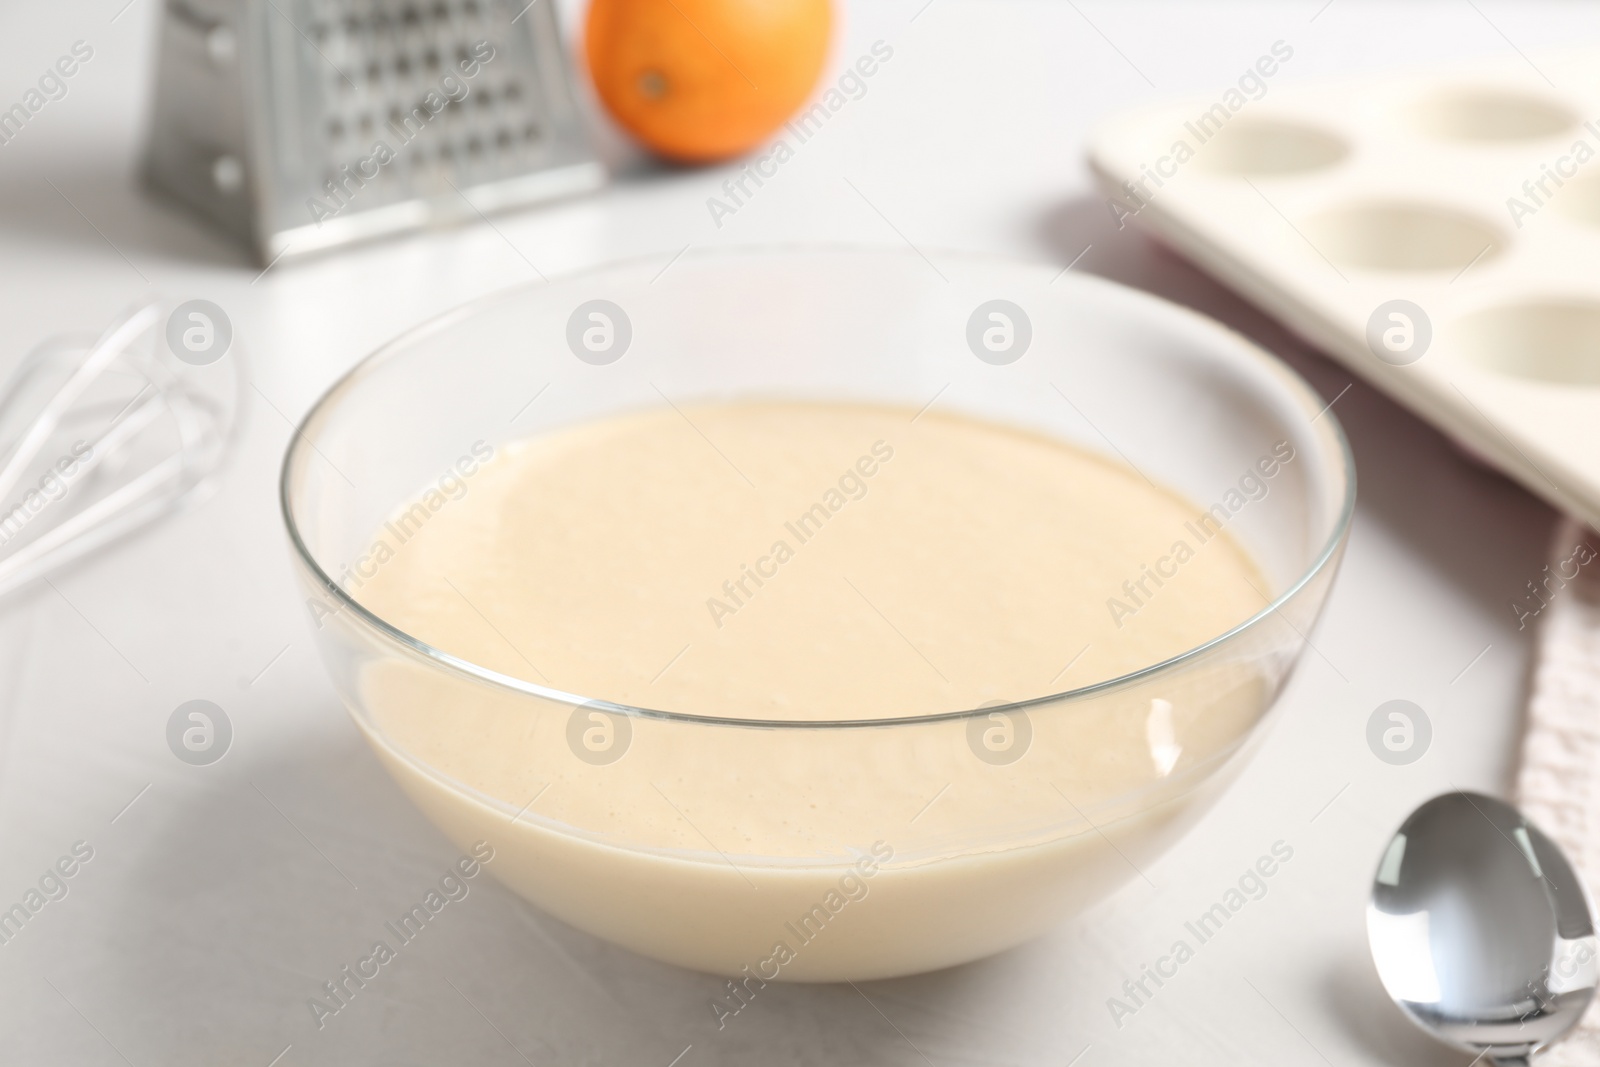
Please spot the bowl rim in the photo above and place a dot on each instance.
(1326, 556)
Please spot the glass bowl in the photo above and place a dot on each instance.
(831, 849)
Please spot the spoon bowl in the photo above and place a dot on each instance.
(1481, 930)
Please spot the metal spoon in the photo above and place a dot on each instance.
(1481, 930)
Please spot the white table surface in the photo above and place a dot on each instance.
(215, 905)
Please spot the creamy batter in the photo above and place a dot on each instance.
(792, 561)
(804, 562)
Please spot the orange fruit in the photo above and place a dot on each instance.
(702, 80)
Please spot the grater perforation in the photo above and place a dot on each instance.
(349, 119)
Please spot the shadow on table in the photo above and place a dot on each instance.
(95, 201)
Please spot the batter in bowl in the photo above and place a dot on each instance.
(807, 562)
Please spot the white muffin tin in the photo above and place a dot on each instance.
(1465, 200)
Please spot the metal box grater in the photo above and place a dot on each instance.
(300, 125)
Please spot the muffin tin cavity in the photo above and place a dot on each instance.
(1271, 147)
(1491, 115)
(1403, 236)
(1546, 340)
